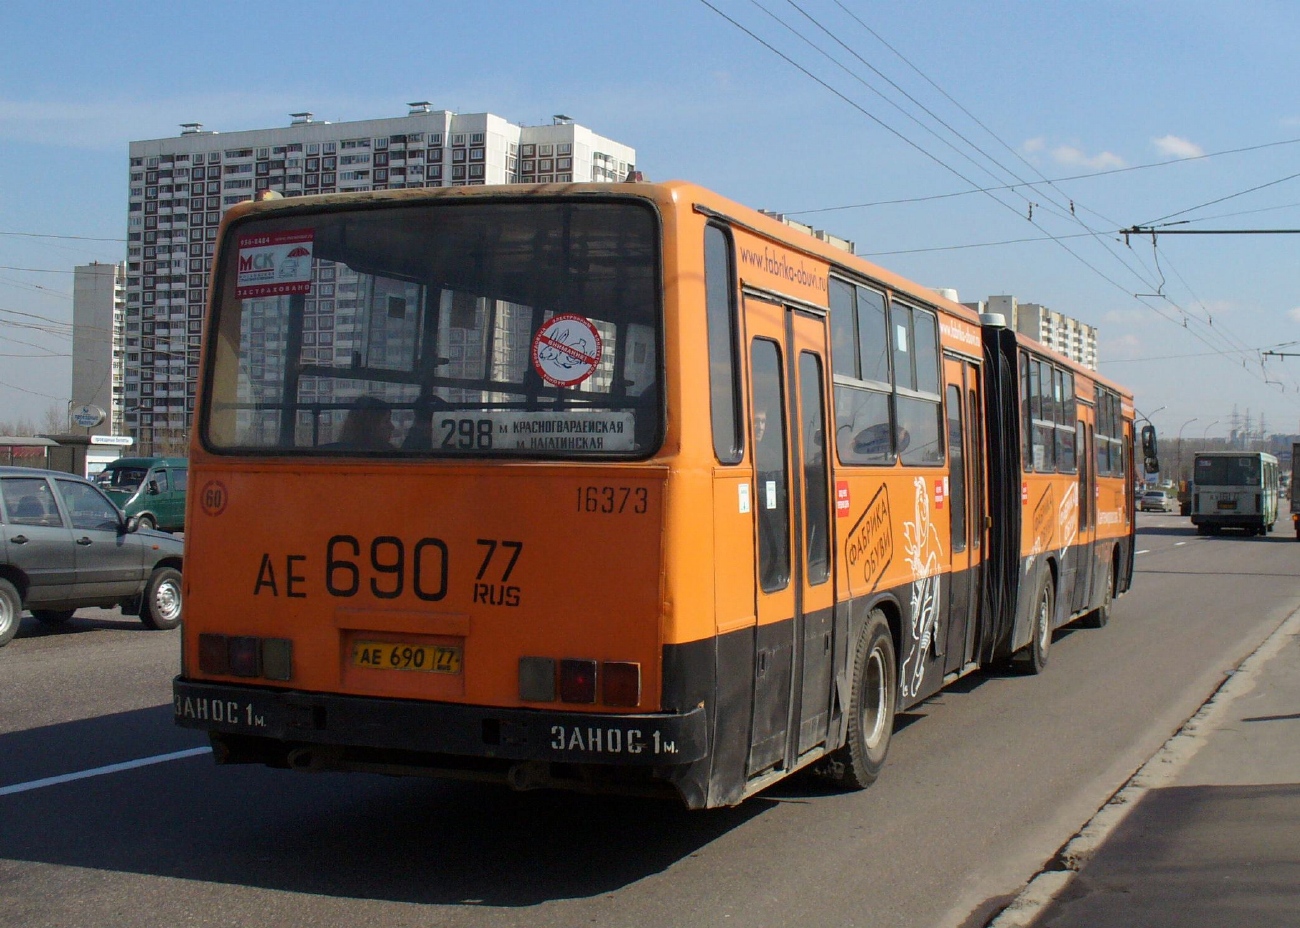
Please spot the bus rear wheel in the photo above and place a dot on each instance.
(1034, 656)
(871, 711)
(1101, 615)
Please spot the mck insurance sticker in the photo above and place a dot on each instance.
(274, 264)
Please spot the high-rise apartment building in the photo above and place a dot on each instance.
(98, 345)
(181, 186)
(1064, 334)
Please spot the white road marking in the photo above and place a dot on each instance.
(1145, 551)
(1179, 543)
(100, 771)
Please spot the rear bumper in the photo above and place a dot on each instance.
(289, 716)
(1228, 520)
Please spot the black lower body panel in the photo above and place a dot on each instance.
(445, 729)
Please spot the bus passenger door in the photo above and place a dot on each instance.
(965, 499)
(793, 647)
(1085, 553)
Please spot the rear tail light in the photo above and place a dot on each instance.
(577, 681)
(537, 679)
(277, 658)
(214, 655)
(620, 683)
(246, 656)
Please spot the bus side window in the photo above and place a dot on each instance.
(771, 477)
(813, 430)
(724, 382)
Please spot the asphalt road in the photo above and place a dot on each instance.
(984, 783)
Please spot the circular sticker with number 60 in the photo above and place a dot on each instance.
(213, 497)
(566, 350)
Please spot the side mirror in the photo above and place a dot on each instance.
(132, 524)
(1149, 441)
(1150, 457)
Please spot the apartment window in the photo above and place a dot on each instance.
(476, 170)
(528, 151)
(458, 154)
(563, 164)
(458, 172)
(546, 164)
(476, 154)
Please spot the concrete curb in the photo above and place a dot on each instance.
(1160, 770)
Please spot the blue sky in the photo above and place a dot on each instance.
(1137, 110)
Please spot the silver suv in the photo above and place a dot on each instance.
(65, 545)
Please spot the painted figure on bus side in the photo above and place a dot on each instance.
(924, 551)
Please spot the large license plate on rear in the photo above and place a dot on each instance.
(391, 655)
(1227, 504)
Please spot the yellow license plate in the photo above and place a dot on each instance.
(1227, 504)
(388, 655)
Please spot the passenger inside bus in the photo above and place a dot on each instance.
(368, 427)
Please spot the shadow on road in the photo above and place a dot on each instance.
(346, 835)
(84, 621)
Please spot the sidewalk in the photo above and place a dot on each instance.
(1207, 833)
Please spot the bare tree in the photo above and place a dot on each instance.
(55, 419)
(19, 428)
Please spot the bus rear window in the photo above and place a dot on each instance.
(489, 328)
(1227, 471)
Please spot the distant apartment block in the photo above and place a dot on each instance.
(181, 186)
(1063, 334)
(98, 342)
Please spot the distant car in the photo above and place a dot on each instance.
(65, 545)
(1157, 501)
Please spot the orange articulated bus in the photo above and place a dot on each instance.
(618, 488)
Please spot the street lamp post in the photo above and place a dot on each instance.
(1180, 446)
(1206, 434)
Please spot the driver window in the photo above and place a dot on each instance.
(89, 508)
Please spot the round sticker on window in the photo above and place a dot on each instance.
(566, 350)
